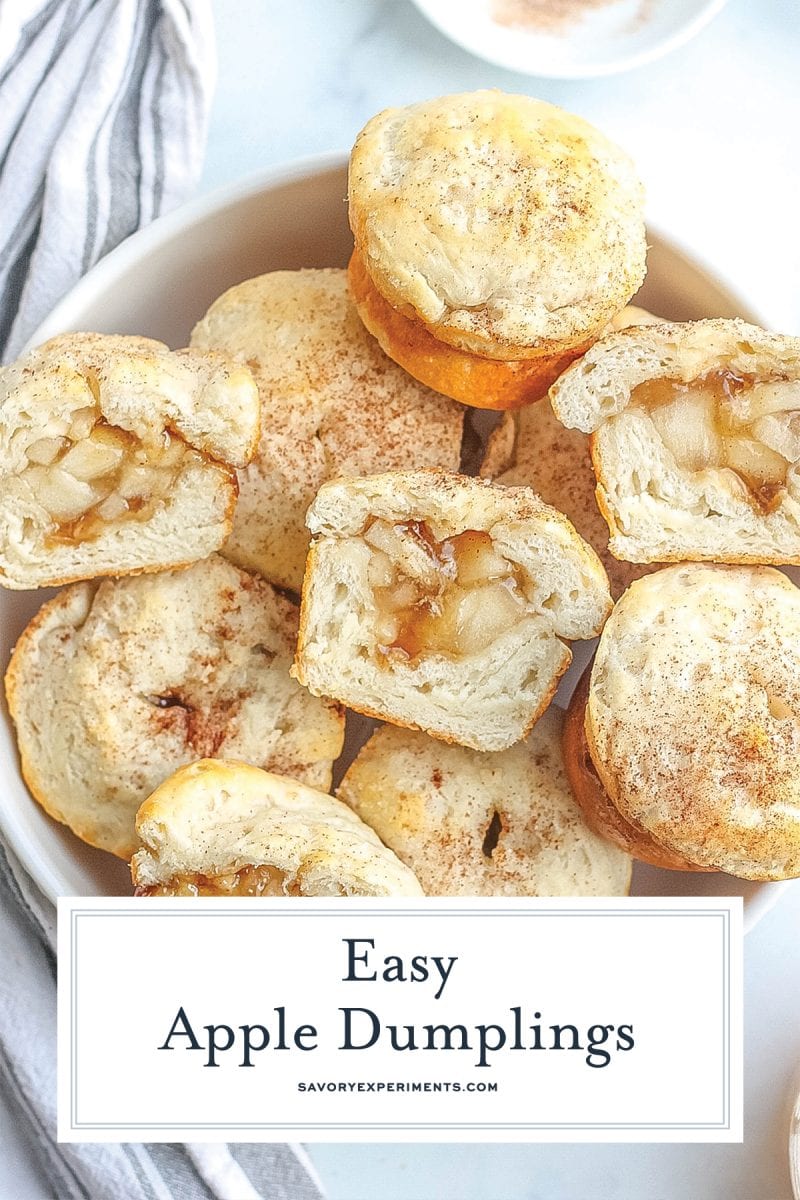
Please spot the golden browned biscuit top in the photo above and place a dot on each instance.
(503, 222)
(115, 685)
(693, 717)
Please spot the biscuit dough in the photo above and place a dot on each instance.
(444, 603)
(332, 404)
(695, 440)
(472, 824)
(503, 223)
(693, 715)
(118, 456)
(115, 685)
(226, 828)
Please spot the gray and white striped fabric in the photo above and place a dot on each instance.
(101, 1171)
(103, 114)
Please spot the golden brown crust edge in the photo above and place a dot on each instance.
(479, 382)
(12, 683)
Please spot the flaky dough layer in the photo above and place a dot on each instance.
(212, 818)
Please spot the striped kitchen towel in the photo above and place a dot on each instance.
(103, 115)
(104, 1171)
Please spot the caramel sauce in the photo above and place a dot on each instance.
(473, 595)
(254, 880)
(723, 384)
(768, 496)
(158, 464)
(708, 422)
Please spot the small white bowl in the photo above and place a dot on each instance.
(159, 283)
(603, 40)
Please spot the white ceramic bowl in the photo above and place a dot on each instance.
(603, 41)
(159, 283)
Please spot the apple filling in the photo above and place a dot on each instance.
(261, 880)
(748, 426)
(452, 597)
(90, 475)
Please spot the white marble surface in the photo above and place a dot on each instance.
(714, 129)
(756, 1170)
(713, 126)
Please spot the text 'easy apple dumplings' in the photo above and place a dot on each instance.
(118, 456)
(230, 829)
(444, 603)
(695, 440)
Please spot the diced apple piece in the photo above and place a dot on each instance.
(64, 496)
(111, 435)
(112, 508)
(781, 433)
(385, 537)
(89, 459)
(433, 626)
(687, 429)
(138, 481)
(484, 614)
(402, 594)
(754, 461)
(406, 549)
(380, 573)
(82, 422)
(46, 450)
(476, 558)
(173, 452)
(387, 627)
(778, 396)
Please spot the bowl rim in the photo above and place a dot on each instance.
(161, 230)
(611, 66)
(107, 269)
(106, 273)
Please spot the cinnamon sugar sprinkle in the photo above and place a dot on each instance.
(548, 15)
